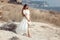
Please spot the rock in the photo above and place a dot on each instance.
(19, 1)
(9, 27)
(8, 35)
(14, 38)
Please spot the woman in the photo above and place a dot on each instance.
(23, 27)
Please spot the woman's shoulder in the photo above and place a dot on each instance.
(26, 10)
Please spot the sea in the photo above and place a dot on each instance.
(41, 5)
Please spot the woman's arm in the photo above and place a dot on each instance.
(27, 17)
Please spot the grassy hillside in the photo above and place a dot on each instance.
(13, 12)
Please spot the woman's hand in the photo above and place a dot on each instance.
(29, 20)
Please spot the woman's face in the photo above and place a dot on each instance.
(27, 7)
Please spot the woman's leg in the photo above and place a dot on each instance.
(28, 31)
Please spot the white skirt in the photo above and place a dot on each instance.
(22, 27)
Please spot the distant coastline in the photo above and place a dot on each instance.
(41, 5)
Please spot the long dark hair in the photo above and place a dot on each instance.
(24, 7)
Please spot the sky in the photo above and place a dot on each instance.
(52, 3)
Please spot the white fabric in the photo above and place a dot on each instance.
(26, 11)
(23, 26)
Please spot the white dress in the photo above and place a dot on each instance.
(23, 26)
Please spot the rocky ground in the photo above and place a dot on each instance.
(38, 30)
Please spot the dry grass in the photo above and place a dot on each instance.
(46, 16)
(12, 12)
(4, 1)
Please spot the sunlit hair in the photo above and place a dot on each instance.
(24, 7)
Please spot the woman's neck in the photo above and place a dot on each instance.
(25, 9)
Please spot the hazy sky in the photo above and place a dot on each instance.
(53, 3)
